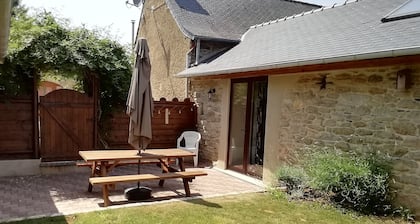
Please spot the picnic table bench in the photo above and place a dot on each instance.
(187, 176)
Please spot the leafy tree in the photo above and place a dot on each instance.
(42, 43)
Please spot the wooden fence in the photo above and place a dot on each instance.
(170, 119)
(17, 128)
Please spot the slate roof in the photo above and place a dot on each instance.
(229, 19)
(352, 31)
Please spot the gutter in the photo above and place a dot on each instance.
(286, 64)
(215, 39)
(5, 14)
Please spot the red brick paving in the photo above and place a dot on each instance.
(48, 195)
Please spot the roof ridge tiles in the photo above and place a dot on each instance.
(302, 14)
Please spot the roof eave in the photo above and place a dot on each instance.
(183, 30)
(187, 33)
(345, 58)
(194, 37)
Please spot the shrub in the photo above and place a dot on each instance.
(292, 177)
(350, 180)
(356, 181)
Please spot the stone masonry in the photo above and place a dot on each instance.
(359, 109)
(209, 116)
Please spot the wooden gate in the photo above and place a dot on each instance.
(67, 124)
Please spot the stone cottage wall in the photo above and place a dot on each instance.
(209, 116)
(359, 109)
(168, 49)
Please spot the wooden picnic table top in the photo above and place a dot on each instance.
(111, 155)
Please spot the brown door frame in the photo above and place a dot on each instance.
(247, 135)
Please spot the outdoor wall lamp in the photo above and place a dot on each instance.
(323, 82)
(211, 93)
(403, 79)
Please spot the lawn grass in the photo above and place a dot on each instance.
(252, 208)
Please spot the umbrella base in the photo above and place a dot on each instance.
(138, 193)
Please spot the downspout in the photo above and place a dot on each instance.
(187, 87)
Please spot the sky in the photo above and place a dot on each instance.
(114, 16)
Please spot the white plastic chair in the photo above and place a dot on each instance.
(192, 140)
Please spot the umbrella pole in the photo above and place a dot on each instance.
(139, 193)
(138, 169)
(138, 166)
(138, 172)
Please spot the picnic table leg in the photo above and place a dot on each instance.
(105, 195)
(161, 182)
(181, 164)
(182, 168)
(186, 187)
(104, 169)
(92, 174)
(165, 169)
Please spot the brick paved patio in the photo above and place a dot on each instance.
(48, 195)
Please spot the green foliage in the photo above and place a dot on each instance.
(292, 177)
(42, 43)
(405, 214)
(359, 182)
(108, 60)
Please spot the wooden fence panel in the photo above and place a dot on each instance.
(16, 128)
(170, 119)
(67, 124)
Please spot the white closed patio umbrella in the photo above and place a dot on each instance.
(140, 110)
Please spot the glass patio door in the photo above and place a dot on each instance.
(247, 126)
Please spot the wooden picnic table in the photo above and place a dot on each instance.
(103, 161)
